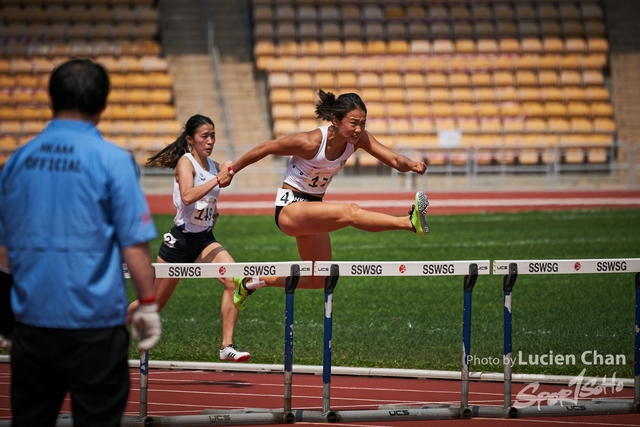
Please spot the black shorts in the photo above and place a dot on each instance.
(298, 197)
(181, 247)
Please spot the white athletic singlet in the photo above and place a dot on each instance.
(201, 215)
(313, 176)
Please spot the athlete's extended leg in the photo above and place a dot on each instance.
(305, 218)
(313, 247)
(216, 253)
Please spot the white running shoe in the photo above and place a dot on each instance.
(231, 353)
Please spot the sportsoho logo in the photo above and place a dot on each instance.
(568, 397)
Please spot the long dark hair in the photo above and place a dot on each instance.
(329, 106)
(168, 157)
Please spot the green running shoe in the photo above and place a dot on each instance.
(240, 294)
(418, 214)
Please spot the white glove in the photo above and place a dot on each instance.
(5, 344)
(146, 320)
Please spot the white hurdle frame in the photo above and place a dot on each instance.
(332, 270)
(292, 271)
(511, 269)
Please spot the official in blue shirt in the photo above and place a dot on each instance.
(71, 211)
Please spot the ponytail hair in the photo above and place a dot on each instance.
(168, 157)
(329, 106)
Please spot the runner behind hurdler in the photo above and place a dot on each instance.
(195, 196)
(316, 157)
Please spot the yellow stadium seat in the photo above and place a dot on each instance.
(533, 109)
(282, 111)
(397, 109)
(574, 94)
(601, 109)
(461, 94)
(422, 125)
(439, 95)
(371, 94)
(443, 46)
(529, 93)
(465, 46)
(393, 94)
(510, 109)
(503, 78)
(436, 80)
(305, 111)
(578, 109)
(597, 93)
(398, 47)
(581, 125)
(400, 125)
(459, 79)
(592, 78)
(555, 109)
(377, 125)
(464, 109)
(557, 124)
(602, 124)
(570, 78)
(416, 93)
(490, 124)
(535, 125)
(506, 94)
(419, 109)
(280, 95)
(487, 46)
(597, 45)
(487, 109)
(391, 79)
(441, 109)
(484, 94)
(305, 96)
(575, 45)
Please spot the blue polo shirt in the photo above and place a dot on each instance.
(69, 202)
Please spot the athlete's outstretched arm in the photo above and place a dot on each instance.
(389, 157)
(303, 144)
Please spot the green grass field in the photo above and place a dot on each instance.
(416, 323)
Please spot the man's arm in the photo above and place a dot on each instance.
(146, 318)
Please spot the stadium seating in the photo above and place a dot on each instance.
(120, 34)
(504, 72)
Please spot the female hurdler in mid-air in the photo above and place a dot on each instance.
(316, 156)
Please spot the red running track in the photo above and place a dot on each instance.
(186, 392)
(440, 203)
(181, 392)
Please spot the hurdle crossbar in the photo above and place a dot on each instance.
(511, 269)
(292, 271)
(332, 270)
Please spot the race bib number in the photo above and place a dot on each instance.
(284, 197)
(204, 212)
(320, 178)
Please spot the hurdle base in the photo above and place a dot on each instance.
(493, 412)
(390, 414)
(228, 418)
(592, 407)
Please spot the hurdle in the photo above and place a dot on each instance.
(332, 271)
(292, 271)
(511, 270)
